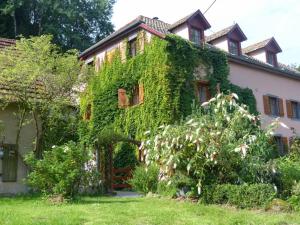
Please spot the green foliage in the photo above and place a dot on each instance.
(221, 142)
(124, 155)
(145, 180)
(288, 174)
(74, 24)
(166, 189)
(165, 68)
(60, 125)
(242, 196)
(59, 172)
(42, 79)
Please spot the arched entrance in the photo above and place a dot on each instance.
(105, 151)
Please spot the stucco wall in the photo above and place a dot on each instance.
(222, 44)
(101, 54)
(260, 55)
(263, 83)
(182, 31)
(27, 137)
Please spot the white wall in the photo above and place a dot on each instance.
(182, 31)
(222, 44)
(260, 55)
(26, 145)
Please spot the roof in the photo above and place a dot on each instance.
(155, 24)
(281, 69)
(161, 28)
(4, 42)
(261, 45)
(225, 32)
(185, 19)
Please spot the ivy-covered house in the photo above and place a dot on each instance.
(150, 73)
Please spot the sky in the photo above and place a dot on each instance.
(259, 19)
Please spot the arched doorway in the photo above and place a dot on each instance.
(110, 175)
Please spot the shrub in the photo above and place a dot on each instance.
(125, 155)
(59, 172)
(145, 180)
(166, 189)
(288, 174)
(294, 200)
(221, 142)
(242, 196)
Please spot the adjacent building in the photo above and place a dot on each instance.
(12, 167)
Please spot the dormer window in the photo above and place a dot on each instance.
(195, 35)
(233, 47)
(271, 58)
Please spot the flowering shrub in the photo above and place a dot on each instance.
(59, 172)
(221, 142)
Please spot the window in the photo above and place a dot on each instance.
(293, 109)
(203, 93)
(271, 58)
(133, 47)
(274, 106)
(9, 163)
(233, 47)
(196, 36)
(138, 95)
(136, 98)
(281, 143)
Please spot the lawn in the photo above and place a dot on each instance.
(131, 211)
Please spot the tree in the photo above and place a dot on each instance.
(41, 79)
(73, 23)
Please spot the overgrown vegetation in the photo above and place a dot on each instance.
(60, 172)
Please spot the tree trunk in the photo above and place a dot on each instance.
(19, 129)
(38, 136)
(15, 22)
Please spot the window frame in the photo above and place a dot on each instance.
(238, 47)
(277, 114)
(297, 116)
(271, 55)
(131, 43)
(200, 85)
(200, 31)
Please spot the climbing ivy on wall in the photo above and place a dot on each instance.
(166, 70)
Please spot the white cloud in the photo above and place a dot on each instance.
(259, 19)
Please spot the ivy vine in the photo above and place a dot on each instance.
(166, 70)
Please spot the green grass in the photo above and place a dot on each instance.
(131, 211)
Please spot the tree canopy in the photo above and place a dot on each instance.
(73, 23)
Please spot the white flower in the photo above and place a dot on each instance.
(190, 121)
(147, 132)
(284, 125)
(204, 104)
(212, 100)
(199, 190)
(54, 146)
(235, 96)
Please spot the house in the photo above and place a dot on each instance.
(274, 85)
(12, 167)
